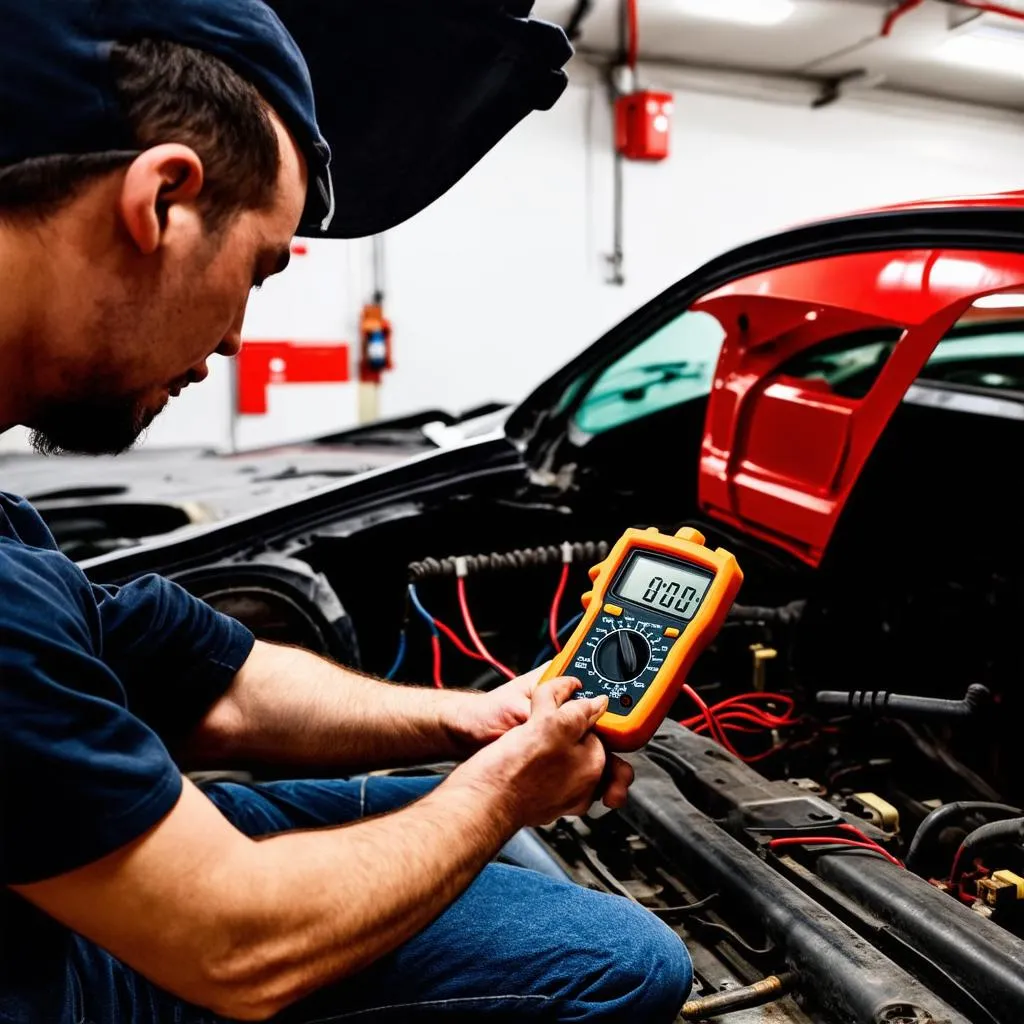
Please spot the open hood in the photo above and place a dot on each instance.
(411, 94)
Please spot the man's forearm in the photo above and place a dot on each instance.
(289, 706)
(392, 875)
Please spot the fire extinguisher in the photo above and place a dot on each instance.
(375, 330)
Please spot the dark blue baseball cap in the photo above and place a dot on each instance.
(58, 94)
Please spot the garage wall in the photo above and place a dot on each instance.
(503, 279)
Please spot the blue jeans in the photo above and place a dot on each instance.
(517, 946)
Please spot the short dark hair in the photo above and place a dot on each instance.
(170, 93)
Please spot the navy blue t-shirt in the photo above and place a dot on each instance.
(95, 684)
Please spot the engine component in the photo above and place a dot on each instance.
(656, 602)
(928, 831)
(895, 705)
(1003, 890)
(871, 807)
(983, 959)
(588, 552)
(845, 973)
(978, 954)
(992, 834)
(767, 991)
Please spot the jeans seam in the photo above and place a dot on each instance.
(427, 1002)
(362, 796)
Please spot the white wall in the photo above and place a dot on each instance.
(503, 279)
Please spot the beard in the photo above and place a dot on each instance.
(91, 426)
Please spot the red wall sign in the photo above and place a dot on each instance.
(261, 363)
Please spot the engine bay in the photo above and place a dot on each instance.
(814, 831)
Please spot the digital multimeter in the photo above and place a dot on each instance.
(656, 604)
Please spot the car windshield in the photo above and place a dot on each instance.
(675, 364)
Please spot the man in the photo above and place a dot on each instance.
(155, 161)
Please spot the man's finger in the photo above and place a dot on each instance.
(554, 694)
(580, 716)
(527, 684)
(620, 776)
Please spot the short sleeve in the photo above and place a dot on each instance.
(80, 776)
(173, 653)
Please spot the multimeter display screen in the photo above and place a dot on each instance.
(673, 589)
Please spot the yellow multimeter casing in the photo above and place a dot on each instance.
(657, 602)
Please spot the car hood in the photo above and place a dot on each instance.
(412, 94)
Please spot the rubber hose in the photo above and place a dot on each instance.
(996, 832)
(933, 824)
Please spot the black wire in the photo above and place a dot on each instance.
(735, 938)
(942, 816)
(686, 908)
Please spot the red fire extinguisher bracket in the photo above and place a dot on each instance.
(643, 123)
(262, 363)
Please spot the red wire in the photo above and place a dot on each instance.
(954, 875)
(725, 717)
(474, 636)
(633, 19)
(867, 839)
(435, 643)
(709, 718)
(556, 606)
(454, 637)
(775, 698)
(832, 841)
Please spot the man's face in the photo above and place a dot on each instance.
(151, 327)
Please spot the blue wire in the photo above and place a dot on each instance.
(423, 613)
(549, 650)
(400, 657)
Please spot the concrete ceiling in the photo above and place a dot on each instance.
(823, 40)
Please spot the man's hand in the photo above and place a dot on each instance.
(481, 719)
(552, 764)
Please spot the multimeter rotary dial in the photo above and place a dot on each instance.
(622, 655)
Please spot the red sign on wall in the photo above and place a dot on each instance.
(261, 363)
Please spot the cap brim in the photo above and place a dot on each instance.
(411, 96)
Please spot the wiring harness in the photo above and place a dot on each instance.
(748, 714)
(463, 566)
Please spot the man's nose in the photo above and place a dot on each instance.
(231, 345)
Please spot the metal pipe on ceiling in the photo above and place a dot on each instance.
(992, 8)
(898, 12)
(983, 6)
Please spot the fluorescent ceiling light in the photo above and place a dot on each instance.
(1003, 300)
(746, 12)
(987, 48)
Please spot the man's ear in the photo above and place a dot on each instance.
(156, 180)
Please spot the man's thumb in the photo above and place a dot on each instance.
(599, 705)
